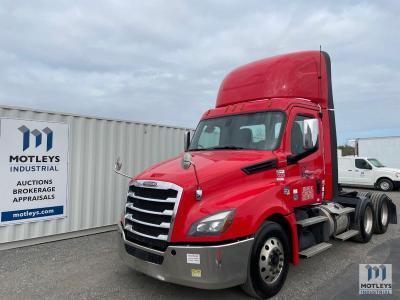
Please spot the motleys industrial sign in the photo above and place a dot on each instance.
(33, 170)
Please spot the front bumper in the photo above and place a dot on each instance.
(205, 267)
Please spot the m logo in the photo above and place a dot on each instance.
(26, 132)
(374, 272)
(375, 279)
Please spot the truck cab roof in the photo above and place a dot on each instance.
(303, 74)
(278, 104)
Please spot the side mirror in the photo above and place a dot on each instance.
(186, 140)
(186, 160)
(118, 164)
(118, 167)
(310, 134)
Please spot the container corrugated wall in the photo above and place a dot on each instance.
(95, 193)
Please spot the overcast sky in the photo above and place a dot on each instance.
(162, 61)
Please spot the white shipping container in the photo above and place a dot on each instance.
(95, 193)
(385, 149)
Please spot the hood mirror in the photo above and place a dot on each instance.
(118, 167)
(118, 164)
(186, 160)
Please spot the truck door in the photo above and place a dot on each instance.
(363, 173)
(305, 170)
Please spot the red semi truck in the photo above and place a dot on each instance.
(255, 190)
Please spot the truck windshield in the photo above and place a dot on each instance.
(261, 131)
(376, 162)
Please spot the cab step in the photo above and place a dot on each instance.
(347, 234)
(344, 210)
(313, 250)
(312, 221)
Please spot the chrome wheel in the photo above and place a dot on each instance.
(385, 185)
(368, 220)
(384, 213)
(271, 260)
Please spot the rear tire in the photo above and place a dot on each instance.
(385, 184)
(380, 203)
(268, 263)
(364, 194)
(365, 211)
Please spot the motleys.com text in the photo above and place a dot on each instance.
(7, 216)
(32, 214)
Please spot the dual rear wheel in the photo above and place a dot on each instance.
(380, 204)
(373, 216)
(365, 215)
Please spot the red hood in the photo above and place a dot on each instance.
(220, 175)
(209, 164)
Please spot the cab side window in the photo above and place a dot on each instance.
(304, 134)
(362, 164)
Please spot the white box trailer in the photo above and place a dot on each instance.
(385, 149)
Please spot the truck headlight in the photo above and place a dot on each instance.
(214, 224)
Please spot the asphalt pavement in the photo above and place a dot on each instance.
(89, 268)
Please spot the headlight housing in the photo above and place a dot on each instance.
(214, 224)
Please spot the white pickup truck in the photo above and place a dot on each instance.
(367, 172)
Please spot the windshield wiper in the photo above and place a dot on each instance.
(218, 148)
(225, 148)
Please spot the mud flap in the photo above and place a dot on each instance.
(392, 212)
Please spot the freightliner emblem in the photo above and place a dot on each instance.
(150, 183)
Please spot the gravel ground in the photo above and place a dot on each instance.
(89, 268)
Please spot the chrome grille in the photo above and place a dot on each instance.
(150, 211)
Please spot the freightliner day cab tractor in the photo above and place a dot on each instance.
(255, 190)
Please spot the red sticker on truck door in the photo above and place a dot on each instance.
(295, 194)
(280, 174)
(307, 193)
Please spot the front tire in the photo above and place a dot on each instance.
(385, 185)
(269, 262)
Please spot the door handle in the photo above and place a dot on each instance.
(350, 170)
